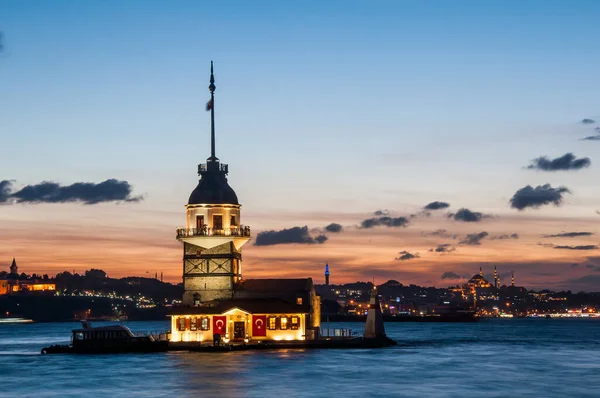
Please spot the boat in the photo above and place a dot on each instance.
(107, 339)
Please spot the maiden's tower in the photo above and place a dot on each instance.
(217, 299)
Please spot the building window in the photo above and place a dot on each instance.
(233, 221)
(181, 324)
(199, 223)
(194, 324)
(197, 298)
(205, 323)
(217, 222)
(272, 323)
(295, 323)
(284, 323)
(299, 300)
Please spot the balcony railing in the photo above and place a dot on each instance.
(233, 231)
(203, 168)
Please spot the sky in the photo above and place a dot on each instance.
(326, 112)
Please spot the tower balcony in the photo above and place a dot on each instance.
(241, 231)
(213, 166)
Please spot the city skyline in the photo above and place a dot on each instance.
(419, 151)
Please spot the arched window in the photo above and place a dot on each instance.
(194, 324)
(284, 323)
(196, 299)
(181, 324)
(272, 323)
(295, 323)
(205, 325)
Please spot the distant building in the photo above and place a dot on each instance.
(11, 284)
(217, 300)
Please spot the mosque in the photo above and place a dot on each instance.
(218, 302)
(11, 284)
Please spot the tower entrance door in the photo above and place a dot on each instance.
(239, 330)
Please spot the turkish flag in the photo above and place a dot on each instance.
(219, 324)
(259, 325)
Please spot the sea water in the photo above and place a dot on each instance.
(489, 358)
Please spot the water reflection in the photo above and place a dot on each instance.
(502, 358)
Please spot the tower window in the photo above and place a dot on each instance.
(217, 222)
(233, 221)
(299, 300)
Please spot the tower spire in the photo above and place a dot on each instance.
(211, 106)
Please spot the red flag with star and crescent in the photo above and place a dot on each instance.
(259, 325)
(209, 104)
(219, 324)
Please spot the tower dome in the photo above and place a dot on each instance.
(213, 187)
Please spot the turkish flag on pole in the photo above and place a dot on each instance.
(259, 325)
(209, 105)
(219, 324)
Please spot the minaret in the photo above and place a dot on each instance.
(213, 236)
(13, 267)
(326, 274)
(480, 271)
(513, 279)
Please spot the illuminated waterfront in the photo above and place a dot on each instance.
(501, 357)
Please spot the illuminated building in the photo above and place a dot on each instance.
(217, 300)
(327, 274)
(496, 280)
(11, 284)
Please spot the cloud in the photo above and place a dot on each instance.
(5, 190)
(443, 248)
(568, 235)
(591, 138)
(451, 275)
(545, 244)
(436, 205)
(321, 239)
(587, 121)
(588, 280)
(473, 239)
(580, 247)
(505, 236)
(598, 212)
(380, 213)
(334, 227)
(88, 193)
(289, 235)
(384, 220)
(538, 196)
(566, 162)
(443, 233)
(574, 265)
(466, 215)
(404, 255)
